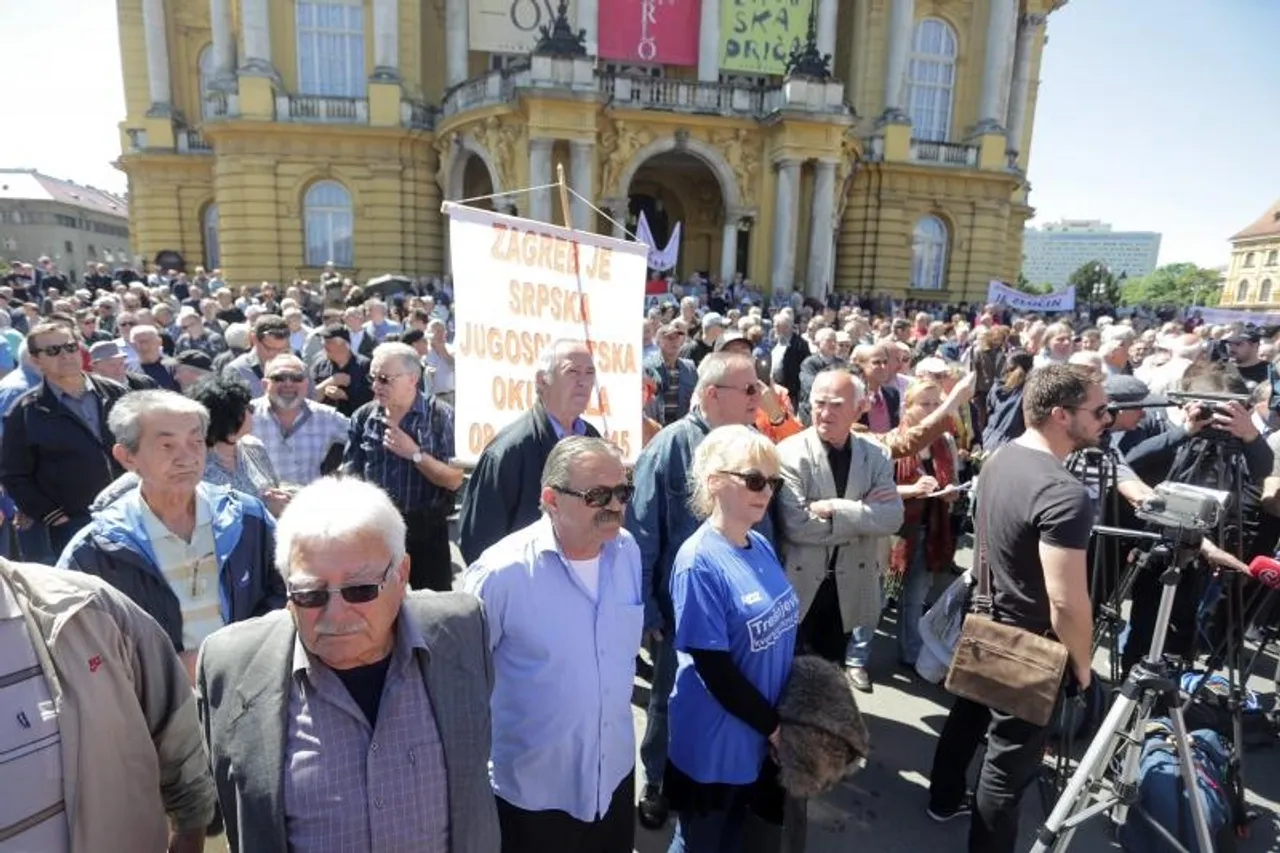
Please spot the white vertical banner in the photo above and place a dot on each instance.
(519, 285)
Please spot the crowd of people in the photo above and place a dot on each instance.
(246, 497)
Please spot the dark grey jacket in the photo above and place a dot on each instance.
(242, 687)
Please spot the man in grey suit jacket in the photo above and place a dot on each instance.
(357, 673)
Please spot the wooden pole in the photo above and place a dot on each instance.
(564, 196)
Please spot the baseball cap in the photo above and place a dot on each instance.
(713, 318)
(194, 358)
(103, 350)
(1249, 335)
(729, 337)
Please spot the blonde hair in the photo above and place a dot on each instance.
(917, 389)
(726, 448)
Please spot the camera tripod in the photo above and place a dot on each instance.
(1152, 686)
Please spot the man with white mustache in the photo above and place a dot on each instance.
(565, 609)
(304, 439)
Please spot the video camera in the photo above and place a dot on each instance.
(1183, 513)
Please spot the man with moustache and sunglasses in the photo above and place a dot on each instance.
(565, 610)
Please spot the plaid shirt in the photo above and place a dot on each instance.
(356, 788)
(428, 422)
(296, 454)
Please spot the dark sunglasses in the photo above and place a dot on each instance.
(356, 593)
(386, 378)
(755, 481)
(750, 390)
(1099, 413)
(599, 497)
(56, 349)
(276, 336)
(287, 377)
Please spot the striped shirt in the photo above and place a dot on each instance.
(428, 422)
(191, 568)
(32, 812)
(297, 453)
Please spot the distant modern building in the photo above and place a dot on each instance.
(71, 223)
(1253, 277)
(1052, 253)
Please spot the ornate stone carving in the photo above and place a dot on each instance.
(622, 141)
(739, 149)
(444, 161)
(845, 168)
(499, 138)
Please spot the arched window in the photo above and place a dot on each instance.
(331, 48)
(1271, 258)
(1264, 290)
(327, 221)
(1248, 259)
(929, 254)
(212, 251)
(931, 75)
(1242, 291)
(207, 71)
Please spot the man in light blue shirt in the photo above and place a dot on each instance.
(565, 610)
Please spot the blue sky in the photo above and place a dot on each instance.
(1154, 115)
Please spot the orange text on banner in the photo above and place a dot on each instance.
(545, 251)
(522, 348)
(480, 434)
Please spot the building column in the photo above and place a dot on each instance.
(997, 69)
(582, 168)
(157, 41)
(709, 42)
(540, 174)
(386, 41)
(457, 42)
(821, 229)
(256, 22)
(589, 20)
(224, 45)
(787, 202)
(902, 21)
(826, 27)
(1028, 32)
(729, 247)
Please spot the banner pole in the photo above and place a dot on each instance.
(564, 196)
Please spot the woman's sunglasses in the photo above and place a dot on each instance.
(755, 481)
(599, 497)
(356, 593)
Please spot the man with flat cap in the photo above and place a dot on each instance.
(107, 358)
(190, 367)
(340, 377)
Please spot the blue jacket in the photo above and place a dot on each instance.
(658, 515)
(114, 546)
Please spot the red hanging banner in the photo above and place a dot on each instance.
(663, 32)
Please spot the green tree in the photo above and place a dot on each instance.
(1174, 284)
(1095, 283)
(1026, 286)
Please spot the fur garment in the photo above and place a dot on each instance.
(823, 737)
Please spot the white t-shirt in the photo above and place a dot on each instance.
(442, 381)
(588, 571)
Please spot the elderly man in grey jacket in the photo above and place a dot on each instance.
(104, 752)
(357, 673)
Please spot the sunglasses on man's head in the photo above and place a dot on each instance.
(756, 481)
(356, 593)
(599, 497)
(68, 348)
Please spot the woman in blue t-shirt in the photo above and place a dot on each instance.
(735, 630)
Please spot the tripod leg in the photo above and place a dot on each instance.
(1092, 767)
(1187, 764)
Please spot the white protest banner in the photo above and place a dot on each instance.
(519, 285)
(1062, 300)
(1226, 316)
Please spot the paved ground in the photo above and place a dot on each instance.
(882, 808)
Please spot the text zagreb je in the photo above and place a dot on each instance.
(543, 251)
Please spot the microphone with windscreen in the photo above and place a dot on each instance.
(1266, 571)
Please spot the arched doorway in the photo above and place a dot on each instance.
(678, 186)
(476, 181)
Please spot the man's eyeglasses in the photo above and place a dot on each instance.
(67, 348)
(756, 481)
(1099, 413)
(751, 390)
(356, 593)
(386, 378)
(599, 497)
(287, 377)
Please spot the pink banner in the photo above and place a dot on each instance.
(659, 31)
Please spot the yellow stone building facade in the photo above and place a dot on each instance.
(1253, 276)
(267, 137)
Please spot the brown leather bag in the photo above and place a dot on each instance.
(1006, 668)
